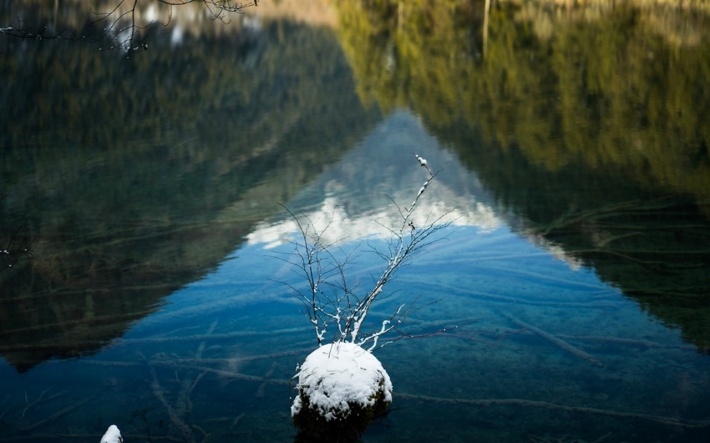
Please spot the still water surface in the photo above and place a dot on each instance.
(567, 301)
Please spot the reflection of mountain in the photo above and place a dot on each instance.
(594, 132)
(653, 246)
(131, 178)
(359, 197)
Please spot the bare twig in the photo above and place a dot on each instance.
(120, 22)
(329, 299)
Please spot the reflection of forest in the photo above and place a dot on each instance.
(131, 178)
(607, 91)
(593, 122)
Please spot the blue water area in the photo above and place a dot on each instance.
(504, 341)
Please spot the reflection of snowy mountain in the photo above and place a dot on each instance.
(337, 225)
(354, 198)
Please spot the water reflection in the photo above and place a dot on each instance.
(602, 89)
(148, 190)
(128, 186)
(361, 197)
(590, 118)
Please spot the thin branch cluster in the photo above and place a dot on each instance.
(121, 24)
(338, 310)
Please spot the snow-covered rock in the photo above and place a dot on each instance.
(112, 435)
(341, 389)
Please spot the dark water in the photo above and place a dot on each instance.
(567, 301)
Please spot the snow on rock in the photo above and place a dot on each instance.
(340, 385)
(112, 435)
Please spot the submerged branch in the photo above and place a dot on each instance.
(670, 421)
(54, 416)
(555, 340)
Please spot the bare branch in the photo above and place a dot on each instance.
(325, 270)
(120, 22)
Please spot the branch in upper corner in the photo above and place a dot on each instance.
(120, 23)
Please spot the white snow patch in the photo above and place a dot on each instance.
(112, 435)
(340, 373)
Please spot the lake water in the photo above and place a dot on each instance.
(566, 299)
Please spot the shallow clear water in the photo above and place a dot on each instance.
(565, 301)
